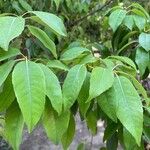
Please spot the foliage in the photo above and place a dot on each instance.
(46, 78)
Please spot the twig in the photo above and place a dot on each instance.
(90, 14)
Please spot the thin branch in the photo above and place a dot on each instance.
(90, 14)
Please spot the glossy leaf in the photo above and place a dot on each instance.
(31, 91)
(139, 21)
(128, 21)
(101, 80)
(73, 53)
(72, 85)
(144, 40)
(119, 15)
(14, 126)
(52, 21)
(43, 37)
(5, 69)
(55, 126)
(11, 27)
(69, 134)
(53, 88)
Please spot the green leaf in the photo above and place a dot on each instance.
(11, 27)
(7, 95)
(125, 60)
(83, 95)
(119, 15)
(144, 40)
(139, 21)
(55, 126)
(5, 69)
(128, 106)
(14, 126)
(107, 106)
(31, 91)
(8, 54)
(52, 21)
(91, 120)
(69, 134)
(73, 53)
(25, 5)
(57, 2)
(43, 37)
(142, 59)
(128, 21)
(53, 88)
(101, 80)
(57, 64)
(72, 85)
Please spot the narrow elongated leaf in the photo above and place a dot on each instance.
(11, 27)
(52, 21)
(29, 86)
(73, 53)
(128, 21)
(142, 59)
(43, 37)
(83, 95)
(57, 64)
(101, 80)
(128, 106)
(55, 126)
(139, 21)
(69, 134)
(14, 126)
(119, 15)
(107, 106)
(53, 88)
(25, 5)
(5, 69)
(7, 95)
(144, 40)
(8, 54)
(57, 2)
(72, 85)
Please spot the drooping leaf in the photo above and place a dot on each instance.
(53, 88)
(128, 106)
(144, 40)
(83, 95)
(128, 21)
(11, 27)
(5, 69)
(119, 15)
(69, 134)
(101, 80)
(14, 126)
(55, 126)
(91, 120)
(7, 95)
(57, 64)
(142, 59)
(139, 21)
(107, 106)
(52, 21)
(72, 85)
(8, 54)
(43, 37)
(73, 53)
(29, 86)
